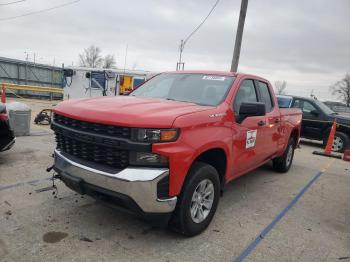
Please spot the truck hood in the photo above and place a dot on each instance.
(127, 111)
(342, 119)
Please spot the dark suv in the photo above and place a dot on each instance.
(7, 137)
(318, 119)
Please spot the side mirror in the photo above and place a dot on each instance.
(314, 112)
(251, 109)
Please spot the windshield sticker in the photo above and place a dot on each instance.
(214, 78)
(251, 138)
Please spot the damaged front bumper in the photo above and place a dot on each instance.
(132, 188)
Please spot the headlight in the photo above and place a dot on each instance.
(147, 159)
(155, 135)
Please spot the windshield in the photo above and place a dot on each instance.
(194, 88)
(324, 108)
(284, 101)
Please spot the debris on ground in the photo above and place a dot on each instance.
(86, 239)
(54, 237)
(44, 189)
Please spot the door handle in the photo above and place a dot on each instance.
(261, 123)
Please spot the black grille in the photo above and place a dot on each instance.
(91, 152)
(101, 129)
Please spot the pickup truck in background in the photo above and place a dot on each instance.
(7, 137)
(318, 119)
(169, 148)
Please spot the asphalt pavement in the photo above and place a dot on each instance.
(41, 224)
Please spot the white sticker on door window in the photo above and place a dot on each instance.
(251, 138)
(214, 78)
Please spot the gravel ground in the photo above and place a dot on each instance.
(37, 226)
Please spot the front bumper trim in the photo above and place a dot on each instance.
(138, 183)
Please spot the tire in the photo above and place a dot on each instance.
(283, 163)
(183, 221)
(340, 142)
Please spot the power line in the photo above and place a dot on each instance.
(180, 64)
(205, 19)
(10, 3)
(39, 11)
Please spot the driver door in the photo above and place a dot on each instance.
(248, 136)
(311, 122)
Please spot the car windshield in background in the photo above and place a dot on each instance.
(194, 88)
(284, 101)
(324, 108)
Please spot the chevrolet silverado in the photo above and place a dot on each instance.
(169, 148)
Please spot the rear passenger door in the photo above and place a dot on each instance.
(272, 120)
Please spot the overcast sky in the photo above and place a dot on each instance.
(306, 43)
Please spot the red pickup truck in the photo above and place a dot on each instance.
(168, 149)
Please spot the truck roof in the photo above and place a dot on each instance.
(213, 72)
(298, 97)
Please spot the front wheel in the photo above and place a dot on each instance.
(284, 162)
(198, 201)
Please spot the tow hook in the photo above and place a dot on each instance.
(49, 169)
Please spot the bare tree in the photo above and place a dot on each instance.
(91, 57)
(342, 89)
(280, 87)
(109, 61)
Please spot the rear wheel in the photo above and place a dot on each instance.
(198, 201)
(284, 162)
(340, 142)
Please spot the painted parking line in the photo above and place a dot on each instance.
(252, 245)
(32, 183)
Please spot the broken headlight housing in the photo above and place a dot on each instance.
(147, 159)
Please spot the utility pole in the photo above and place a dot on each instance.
(239, 34)
(126, 54)
(181, 65)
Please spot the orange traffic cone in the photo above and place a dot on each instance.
(346, 156)
(328, 149)
(3, 94)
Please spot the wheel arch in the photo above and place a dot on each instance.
(216, 157)
(295, 134)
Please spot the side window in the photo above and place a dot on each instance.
(308, 107)
(305, 106)
(265, 96)
(246, 93)
(298, 104)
